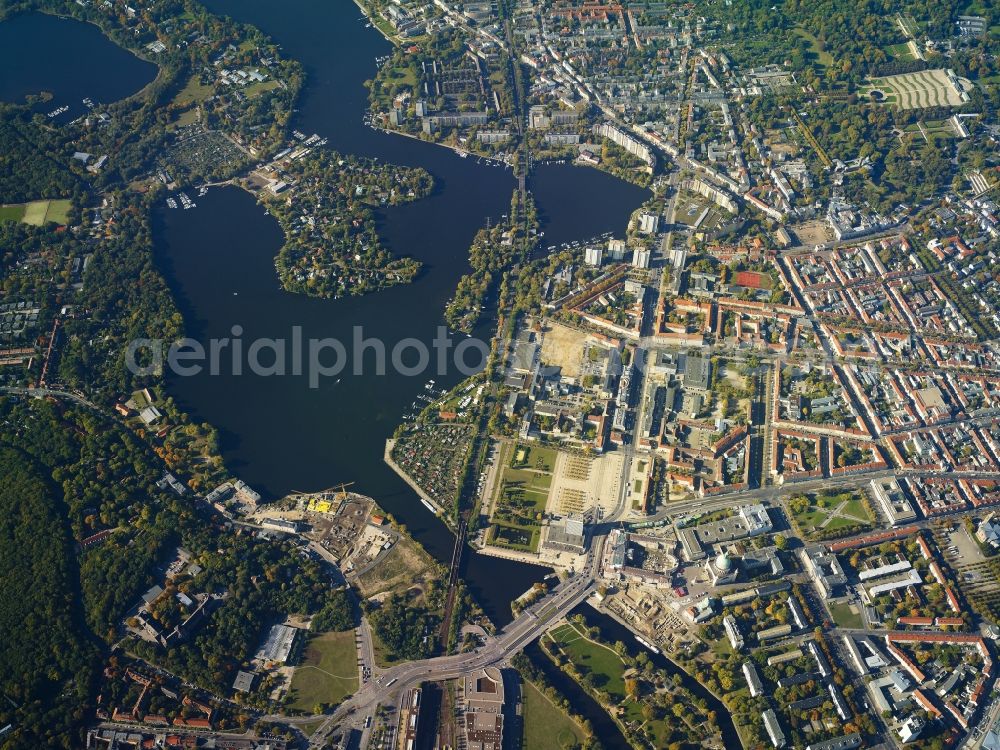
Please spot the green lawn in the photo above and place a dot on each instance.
(843, 523)
(533, 457)
(37, 213)
(520, 538)
(328, 673)
(528, 469)
(194, 92)
(13, 212)
(594, 658)
(823, 57)
(186, 118)
(528, 478)
(34, 213)
(607, 671)
(256, 89)
(546, 726)
(845, 616)
(856, 508)
(899, 51)
(821, 507)
(58, 211)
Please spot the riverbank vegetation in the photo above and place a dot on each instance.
(547, 714)
(494, 250)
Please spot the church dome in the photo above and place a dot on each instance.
(723, 563)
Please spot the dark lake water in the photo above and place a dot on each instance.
(278, 434)
(71, 60)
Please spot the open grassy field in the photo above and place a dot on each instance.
(13, 212)
(328, 673)
(256, 89)
(899, 51)
(186, 118)
(546, 726)
(194, 92)
(521, 495)
(37, 213)
(846, 615)
(823, 57)
(534, 457)
(599, 660)
(821, 515)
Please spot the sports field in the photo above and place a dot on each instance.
(36, 213)
(925, 88)
(328, 673)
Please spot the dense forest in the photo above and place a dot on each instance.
(28, 170)
(47, 662)
(75, 473)
(405, 630)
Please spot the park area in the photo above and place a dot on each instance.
(924, 88)
(591, 658)
(603, 670)
(521, 496)
(328, 673)
(545, 724)
(826, 516)
(37, 213)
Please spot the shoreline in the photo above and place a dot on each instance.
(458, 151)
(134, 52)
(366, 14)
(426, 499)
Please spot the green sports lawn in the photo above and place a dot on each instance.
(13, 212)
(37, 213)
(846, 615)
(328, 673)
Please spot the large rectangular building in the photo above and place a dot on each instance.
(482, 719)
(773, 728)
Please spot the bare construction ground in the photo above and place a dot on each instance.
(563, 347)
(812, 233)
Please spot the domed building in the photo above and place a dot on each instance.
(723, 569)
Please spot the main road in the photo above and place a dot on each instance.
(528, 626)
